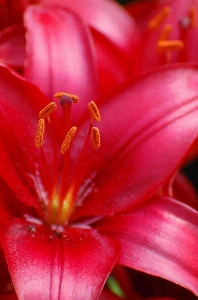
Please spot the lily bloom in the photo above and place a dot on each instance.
(76, 206)
(109, 28)
(68, 218)
(168, 32)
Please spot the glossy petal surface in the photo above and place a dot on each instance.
(59, 56)
(112, 67)
(20, 103)
(107, 17)
(160, 238)
(144, 146)
(12, 46)
(47, 266)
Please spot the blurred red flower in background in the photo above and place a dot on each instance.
(168, 32)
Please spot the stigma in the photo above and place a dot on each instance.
(63, 190)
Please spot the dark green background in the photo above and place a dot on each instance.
(123, 1)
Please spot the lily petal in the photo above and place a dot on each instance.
(107, 17)
(9, 205)
(183, 190)
(45, 265)
(111, 65)
(107, 295)
(9, 296)
(147, 127)
(159, 238)
(12, 46)
(20, 103)
(5, 278)
(59, 55)
(11, 12)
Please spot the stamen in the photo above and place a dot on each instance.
(69, 137)
(95, 137)
(159, 18)
(47, 111)
(192, 16)
(94, 111)
(166, 32)
(170, 45)
(40, 133)
(74, 98)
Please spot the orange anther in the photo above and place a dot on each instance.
(94, 111)
(170, 45)
(159, 18)
(69, 137)
(95, 137)
(192, 16)
(40, 133)
(47, 110)
(166, 32)
(74, 98)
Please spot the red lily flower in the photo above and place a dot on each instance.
(69, 254)
(112, 33)
(73, 216)
(168, 32)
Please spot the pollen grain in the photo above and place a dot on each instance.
(47, 110)
(157, 20)
(95, 137)
(40, 133)
(94, 111)
(69, 137)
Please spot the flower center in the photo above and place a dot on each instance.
(63, 192)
